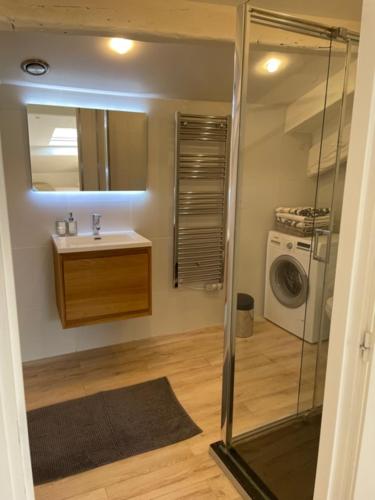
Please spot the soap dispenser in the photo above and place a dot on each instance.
(72, 225)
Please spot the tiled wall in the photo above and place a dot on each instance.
(150, 213)
(273, 172)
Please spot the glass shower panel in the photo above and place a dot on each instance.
(285, 82)
(295, 95)
(330, 191)
(322, 166)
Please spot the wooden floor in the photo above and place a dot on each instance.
(267, 375)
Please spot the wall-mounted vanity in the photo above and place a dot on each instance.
(81, 149)
(102, 278)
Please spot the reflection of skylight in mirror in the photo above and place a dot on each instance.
(63, 137)
(64, 151)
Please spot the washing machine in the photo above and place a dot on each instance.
(294, 286)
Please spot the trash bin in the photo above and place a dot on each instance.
(245, 315)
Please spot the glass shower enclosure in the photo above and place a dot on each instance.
(293, 95)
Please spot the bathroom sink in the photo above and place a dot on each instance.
(104, 241)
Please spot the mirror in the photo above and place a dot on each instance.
(79, 149)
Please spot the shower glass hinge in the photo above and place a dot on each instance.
(366, 345)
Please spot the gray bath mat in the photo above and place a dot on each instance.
(81, 434)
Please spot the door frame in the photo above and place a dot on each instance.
(353, 305)
(348, 378)
(15, 467)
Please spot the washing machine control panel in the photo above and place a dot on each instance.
(302, 245)
(289, 243)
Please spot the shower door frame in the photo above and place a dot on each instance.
(246, 15)
(337, 166)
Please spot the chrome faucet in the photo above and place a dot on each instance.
(96, 224)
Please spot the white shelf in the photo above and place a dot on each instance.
(305, 114)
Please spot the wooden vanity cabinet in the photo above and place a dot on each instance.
(102, 286)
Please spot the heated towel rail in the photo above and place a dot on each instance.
(201, 166)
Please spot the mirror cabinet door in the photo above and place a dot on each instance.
(87, 149)
(127, 154)
(53, 143)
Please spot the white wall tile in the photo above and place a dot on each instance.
(32, 217)
(273, 173)
(162, 264)
(33, 268)
(42, 335)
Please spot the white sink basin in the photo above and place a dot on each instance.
(105, 241)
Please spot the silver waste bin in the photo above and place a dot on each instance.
(245, 315)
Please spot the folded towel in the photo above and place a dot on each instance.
(304, 231)
(301, 218)
(302, 225)
(303, 211)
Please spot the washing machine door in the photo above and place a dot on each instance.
(289, 281)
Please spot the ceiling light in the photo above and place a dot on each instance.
(121, 45)
(272, 64)
(35, 67)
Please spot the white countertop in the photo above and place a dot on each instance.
(86, 242)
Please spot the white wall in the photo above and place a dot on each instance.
(272, 173)
(326, 182)
(32, 217)
(15, 467)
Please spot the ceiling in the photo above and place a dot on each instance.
(179, 70)
(171, 70)
(44, 119)
(161, 19)
(340, 9)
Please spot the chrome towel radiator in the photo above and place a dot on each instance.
(202, 159)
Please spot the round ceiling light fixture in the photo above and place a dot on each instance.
(35, 67)
(121, 45)
(272, 65)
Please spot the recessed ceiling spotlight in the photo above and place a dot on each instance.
(121, 45)
(35, 67)
(273, 64)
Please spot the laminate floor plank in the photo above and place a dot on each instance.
(92, 495)
(266, 388)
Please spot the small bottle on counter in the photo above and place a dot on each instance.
(72, 225)
(61, 227)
